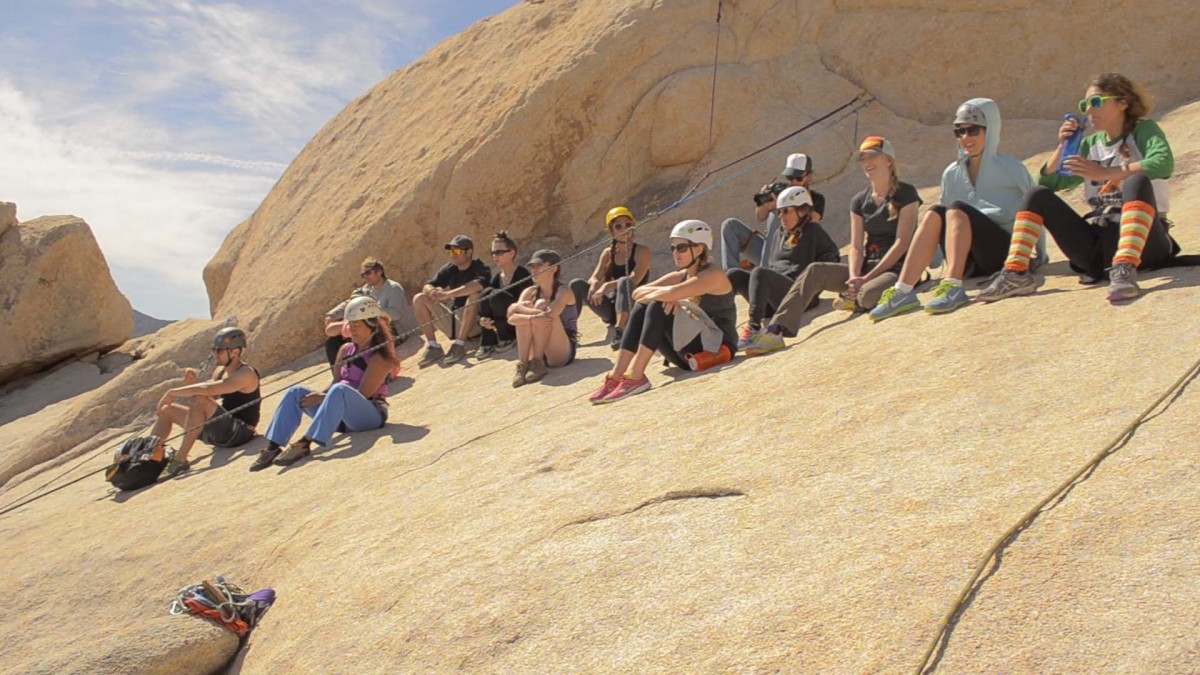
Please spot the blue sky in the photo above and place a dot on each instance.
(163, 123)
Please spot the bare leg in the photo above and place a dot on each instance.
(922, 249)
(624, 358)
(622, 319)
(958, 242)
(470, 312)
(558, 345)
(644, 354)
(524, 331)
(200, 408)
(423, 310)
(541, 336)
(170, 414)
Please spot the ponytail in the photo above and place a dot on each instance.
(893, 185)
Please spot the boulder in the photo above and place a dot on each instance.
(58, 296)
(8, 216)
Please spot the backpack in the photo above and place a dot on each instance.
(138, 464)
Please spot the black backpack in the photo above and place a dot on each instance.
(139, 463)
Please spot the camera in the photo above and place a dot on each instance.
(770, 193)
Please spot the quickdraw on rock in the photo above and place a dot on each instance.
(224, 604)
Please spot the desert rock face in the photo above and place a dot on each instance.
(8, 216)
(59, 297)
(815, 510)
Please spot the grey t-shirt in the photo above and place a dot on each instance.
(392, 298)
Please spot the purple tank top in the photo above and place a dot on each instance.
(353, 370)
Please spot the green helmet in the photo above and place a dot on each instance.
(230, 338)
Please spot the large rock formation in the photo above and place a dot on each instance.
(59, 298)
(8, 216)
(540, 119)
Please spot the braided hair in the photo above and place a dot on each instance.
(537, 289)
(893, 185)
(805, 218)
(1136, 101)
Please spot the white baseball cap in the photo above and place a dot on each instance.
(797, 165)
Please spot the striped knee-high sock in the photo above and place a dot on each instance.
(1136, 219)
(1027, 229)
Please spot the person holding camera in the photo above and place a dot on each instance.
(744, 247)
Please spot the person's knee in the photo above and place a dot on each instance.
(1137, 187)
(957, 216)
(339, 389)
(732, 225)
(1036, 198)
(421, 300)
(934, 217)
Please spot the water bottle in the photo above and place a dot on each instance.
(1071, 147)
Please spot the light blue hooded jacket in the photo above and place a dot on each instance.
(1001, 183)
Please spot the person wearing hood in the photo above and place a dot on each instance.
(973, 221)
(1124, 167)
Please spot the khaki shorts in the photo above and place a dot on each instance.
(445, 319)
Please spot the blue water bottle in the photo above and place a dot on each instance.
(1071, 147)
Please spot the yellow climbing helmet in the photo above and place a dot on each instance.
(616, 212)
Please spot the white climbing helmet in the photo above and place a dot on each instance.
(363, 308)
(793, 196)
(695, 231)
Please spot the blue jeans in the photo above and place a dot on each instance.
(342, 403)
(734, 232)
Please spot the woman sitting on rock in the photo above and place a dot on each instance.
(689, 315)
(502, 291)
(882, 220)
(546, 319)
(801, 242)
(357, 397)
(1124, 167)
(973, 221)
(622, 267)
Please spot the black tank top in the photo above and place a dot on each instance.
(616, 272)
(237, 399)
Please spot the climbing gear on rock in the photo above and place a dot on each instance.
(224, 604)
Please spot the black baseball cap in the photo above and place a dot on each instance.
(460, 241)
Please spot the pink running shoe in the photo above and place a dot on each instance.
(627, 387)
(605, 389)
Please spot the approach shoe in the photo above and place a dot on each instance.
(605, 389)
(1007, 284)
(433, 354)
(537, 370)
(947, 297)
(765, 344)
(266, 457)
(1122, 283)
(746, 337)
(457, 353)
(894, 303)
(295, 452)
(485, 352)
(176, 467)
(845, 303)
(627, 387)
(504, 345)
(519, 376)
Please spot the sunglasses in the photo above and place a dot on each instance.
(1093, 102)
(680, 248)
(501, 251)
(456, 251)
(620, 226)
(972, 131)
(367, 273)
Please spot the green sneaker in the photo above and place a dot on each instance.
(176, 467)
(765, 343)
(947, 297)
(895, 303)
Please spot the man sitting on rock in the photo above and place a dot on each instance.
(388, 293)
(449, 302)
(744, 247)
(224, 425)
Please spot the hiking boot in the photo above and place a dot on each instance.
(433, 354)
(297, 451)
(176, 467)
(1007, 284)
(947, 297)
(746, 337)
(894, 303)
(519, 376)
(1122, 283)
(537, 370)
(485, 352)
(845, 303)
(503, 346)
(617, 335)
(266, 457)
(627, 387)
(605, 389)
(458, 352)
(765, 344)
(702, 361)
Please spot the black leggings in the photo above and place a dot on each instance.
(989, 241)
(650, 327)
(332, 346)
(494, 304)
(1091, 248)
(764, 289)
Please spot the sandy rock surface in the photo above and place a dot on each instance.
(59, 298)
(8, 216)
(816, 510)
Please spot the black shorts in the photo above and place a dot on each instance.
(223, 430)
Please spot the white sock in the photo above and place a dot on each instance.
(460, 343)
(904, 288)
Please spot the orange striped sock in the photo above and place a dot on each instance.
(1027, 229)
(1136, 219)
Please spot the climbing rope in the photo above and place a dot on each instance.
(811, 130)
(942, 635)
(712, 102)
